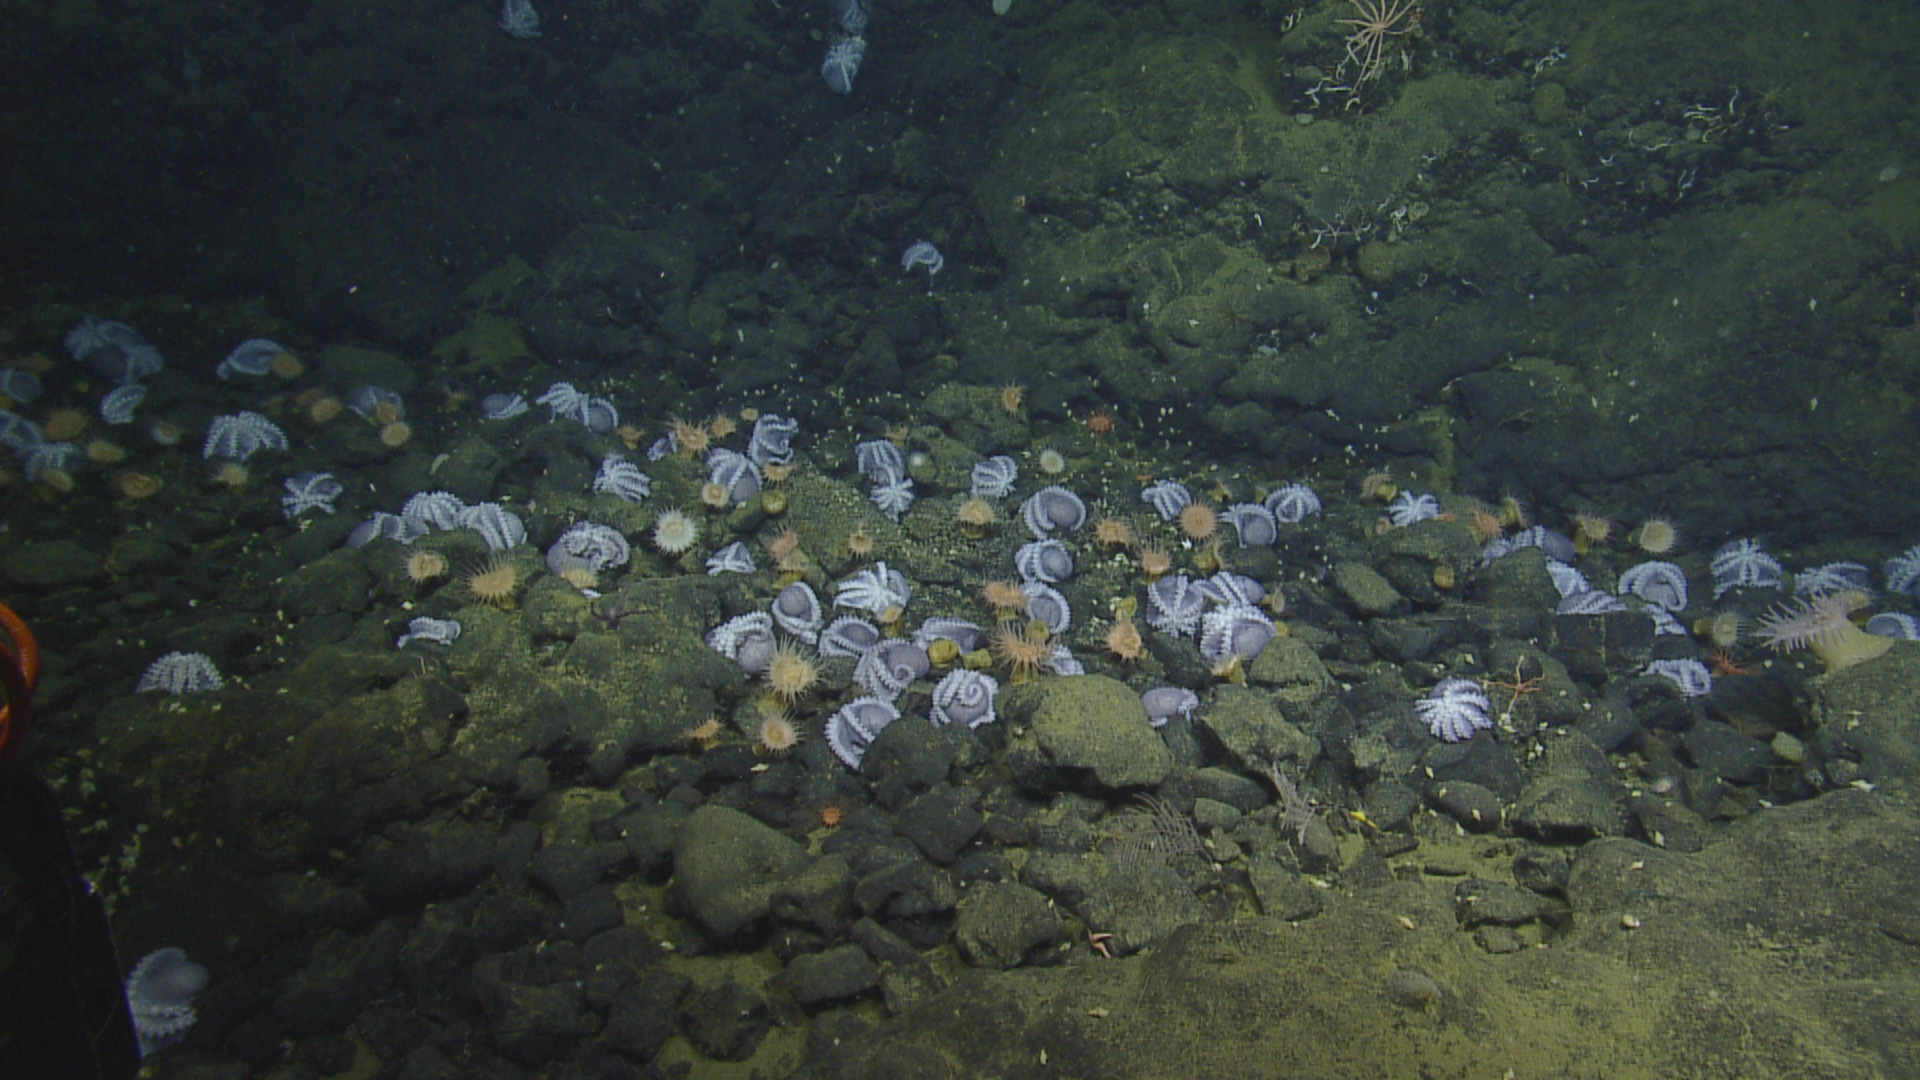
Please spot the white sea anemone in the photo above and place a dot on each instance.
(675, 533)
(1823, 625)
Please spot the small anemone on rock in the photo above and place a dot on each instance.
(492, 580)
(674, 533)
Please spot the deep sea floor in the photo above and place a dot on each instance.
(1370, 540)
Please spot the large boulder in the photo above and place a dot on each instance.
(727, 866)
(1086, 730)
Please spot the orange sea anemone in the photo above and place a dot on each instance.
(1199, 520)
(1484, 525)
(57, 480)
(784, 543)
(1512, 512)
(1004, 597)
(706, 734)
(1590, 531)
(1379, 487)
(1023, 648)
(231, 475)
(1155, 562)
(1113, 533)
(689, 437)
(1124, 640)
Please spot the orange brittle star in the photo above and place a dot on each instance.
(1518, 688)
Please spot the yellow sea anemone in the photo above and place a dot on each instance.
(975, 516)
(791, 672)
(424, 566)
(495, 581)
(1657, 536)
(1024, 649)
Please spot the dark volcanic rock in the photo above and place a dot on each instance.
(1282, 892)
(1251, 727)
(567, 870)
(726, 1021)
(1880, 741)
(1726, 753)
(839, 973)
(650, 833)
(410, 863)
(1476, 902)
(818, 898)
(340, 978)
(1481, 761)
(340, 582)
(530, 1015)
(642, 1018)
(727, 866)
(1574, 799)
(1088, 730)
(908, 757)
(1473, 806)
(49, 564)
(905, 895)
(1004, 925)
(942, 821)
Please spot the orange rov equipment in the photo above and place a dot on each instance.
(19, 675)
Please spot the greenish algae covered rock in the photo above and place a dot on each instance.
(1080, 730)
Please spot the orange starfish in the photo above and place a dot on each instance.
(1723, 663)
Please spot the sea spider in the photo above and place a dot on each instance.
(1379, 20)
